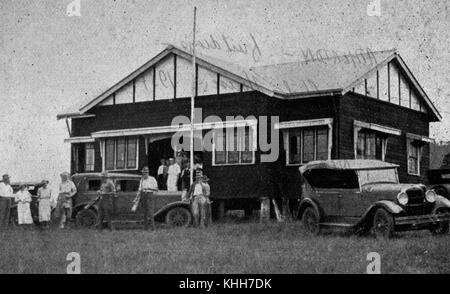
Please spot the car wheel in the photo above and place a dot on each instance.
(441, 228)
(383, 223)
(86, 218)
(178, 217)
(310, 220)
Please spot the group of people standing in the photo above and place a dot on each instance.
(44, 196)
(174, 175)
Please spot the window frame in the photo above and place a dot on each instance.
(86, 157)
(115, 154)
(253, 138)
(300, 130)
(419, 147)
(364, 126)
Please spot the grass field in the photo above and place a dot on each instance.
(244, 247)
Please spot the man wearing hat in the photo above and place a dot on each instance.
(147, 186)
(106, 198)
(199, 195)
(6, 195)
(67, 190)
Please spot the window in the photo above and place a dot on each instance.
(370, 145)
(121, 153)
(234, 146)
(306, 144)
(127, 185)
(414, 153)
(94, 185)
(89, 157)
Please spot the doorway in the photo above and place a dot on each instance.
(156, 151)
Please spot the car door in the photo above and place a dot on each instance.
(328, 201)
(126, 190)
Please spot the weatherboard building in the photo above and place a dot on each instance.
(330, 108)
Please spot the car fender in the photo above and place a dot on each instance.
(171, 205)
(308, 202)
(390, 206)
(441, 202)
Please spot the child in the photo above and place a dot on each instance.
(44, 197)
(23, 197)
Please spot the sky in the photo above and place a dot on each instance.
(50, 61)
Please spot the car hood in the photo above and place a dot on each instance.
(390, 189)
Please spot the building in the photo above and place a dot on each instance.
(366, 105)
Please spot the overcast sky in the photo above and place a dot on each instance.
(50, 61)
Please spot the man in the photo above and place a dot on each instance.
(106, 198)
(199, 195)
(67, 190)
(162, 175)
(147, 186)
(173, 174)
(185, 180)
(6, 196)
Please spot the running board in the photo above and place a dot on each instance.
(341, 225)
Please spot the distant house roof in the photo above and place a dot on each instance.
(308, 78)
(355, 164)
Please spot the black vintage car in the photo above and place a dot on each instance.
(365, 195)
(34, 205)
(439, 180)
(169, 207)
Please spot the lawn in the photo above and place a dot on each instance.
(231, 247)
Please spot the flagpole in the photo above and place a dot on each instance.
(193, 100)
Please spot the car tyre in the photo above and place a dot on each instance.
(383, 223)
(86, 218)
(310, 220)
(178, 217)
(441, 228)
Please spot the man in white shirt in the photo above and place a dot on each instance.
(67, 190)
(199, 194)
(145, 197)
(172, 175)
(6, 195)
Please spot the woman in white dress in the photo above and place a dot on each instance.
(44, 197)
(23, 198)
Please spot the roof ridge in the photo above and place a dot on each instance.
(394, 50)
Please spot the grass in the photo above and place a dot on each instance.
(231, 247)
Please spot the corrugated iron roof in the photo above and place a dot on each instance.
(306, 78)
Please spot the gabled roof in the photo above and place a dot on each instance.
(308, 78)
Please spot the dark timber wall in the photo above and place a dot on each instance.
(358, 107)
(272, 178)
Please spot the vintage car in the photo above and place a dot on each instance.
(439, 180)
(34, 206)
(169, 206)
(366, 194)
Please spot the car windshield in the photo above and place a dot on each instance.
(367, 176)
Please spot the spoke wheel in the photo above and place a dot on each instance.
(178, 217)
(383, 223)
(310, 220)
(440, 228)
(86, 218)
